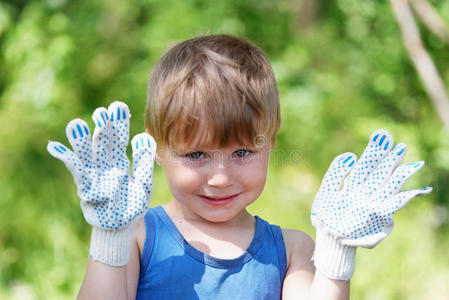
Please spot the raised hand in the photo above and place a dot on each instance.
(358, 210)
(111, 198)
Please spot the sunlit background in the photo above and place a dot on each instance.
(343, 71)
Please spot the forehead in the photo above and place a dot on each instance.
(203, 141)
(207, 136)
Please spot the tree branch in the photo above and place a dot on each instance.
(423, 63)
(427, 13)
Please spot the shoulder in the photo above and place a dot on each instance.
(299, 250)
(139, 234)
(298, 245)
(300, 269)
(133, 266)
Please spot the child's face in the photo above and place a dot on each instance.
(215, 184)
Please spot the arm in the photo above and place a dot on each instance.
(302, 280)
(356, 203)
(103, 281)
(112, 200)
(354, 208)
(328, 289)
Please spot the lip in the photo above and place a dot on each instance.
(218, 201)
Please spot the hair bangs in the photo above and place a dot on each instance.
(208, 119)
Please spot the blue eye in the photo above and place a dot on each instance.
(195, 155)
(242, 153)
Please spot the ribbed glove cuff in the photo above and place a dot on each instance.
(331, 258)
(111, 247)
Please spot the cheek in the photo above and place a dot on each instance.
(255, 176)
(183, 180)
(258, 178)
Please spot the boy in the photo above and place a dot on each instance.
(213, 108)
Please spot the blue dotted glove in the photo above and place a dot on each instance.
(112, 200)
(356, 210)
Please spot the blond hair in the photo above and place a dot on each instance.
(212, 90)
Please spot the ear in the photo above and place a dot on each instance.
(158, 159)
(161, 157)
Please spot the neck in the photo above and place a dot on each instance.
(180, 212)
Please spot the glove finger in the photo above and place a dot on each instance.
(119, 126)
(398, 201)
(100, 139)
(378, 147)
(78, 135)
(144, 152)
(332, 181)
(384, 170)
(397, 180)
(65, 155)
(337, 172)
(370, 241)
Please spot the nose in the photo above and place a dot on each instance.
(220, 176)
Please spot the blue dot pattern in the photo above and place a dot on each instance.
(361, 205)
(111, 198)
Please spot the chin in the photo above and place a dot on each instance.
(219, 217)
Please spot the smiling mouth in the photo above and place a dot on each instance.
(220, 198)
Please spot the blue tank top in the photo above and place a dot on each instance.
(170, 268)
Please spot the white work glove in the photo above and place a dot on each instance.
(357, 210)
(111, 199)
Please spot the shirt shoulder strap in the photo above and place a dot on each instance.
(280, 247)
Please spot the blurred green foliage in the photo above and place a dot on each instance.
(342, 73)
